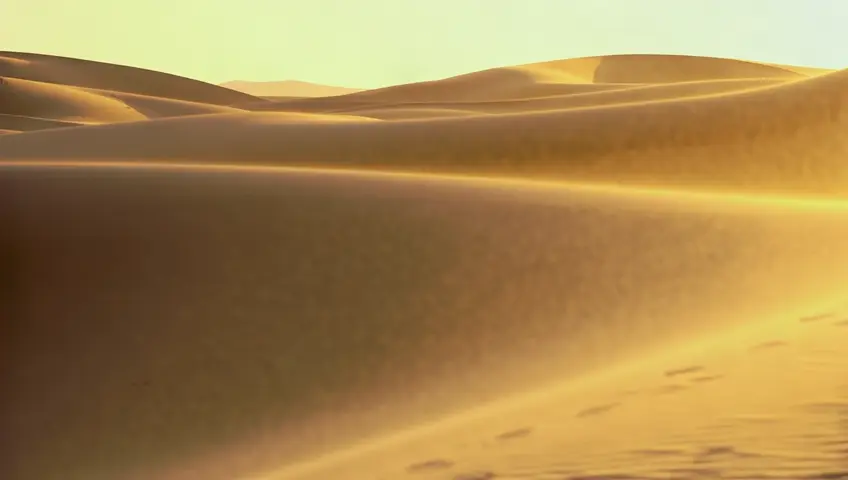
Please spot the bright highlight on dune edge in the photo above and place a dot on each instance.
(470, 180)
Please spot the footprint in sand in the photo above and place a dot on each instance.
(597, 410)
(721, 453)
(484, 475)
(684, 371)
(816, 318)
(668, 389)
(628, 393)
(769, 345)
(841, 323)
(429, 465)
(515, 434)
(706, 378)
(658, 452)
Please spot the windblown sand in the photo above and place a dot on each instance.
(624, 267)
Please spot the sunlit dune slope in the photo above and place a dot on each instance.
(60, 102)
(194, 323)
(769, 401)
(387, 97)
(562, 76)
(158, 107)
(119, 78)
(781, 138)
(622, 95)
(45, 104)
(292, 88)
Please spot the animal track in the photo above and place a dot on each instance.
(429, 465)
(514, 434)
(597, 410)
(683, 371)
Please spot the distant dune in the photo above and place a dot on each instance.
(287, 88)
(202, 284)
(647, 119)
(117, 78)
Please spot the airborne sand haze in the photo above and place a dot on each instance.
(169, 318)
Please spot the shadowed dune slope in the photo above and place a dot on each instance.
(119, 78)
(287, 88)
(784, 138)
(187, 322)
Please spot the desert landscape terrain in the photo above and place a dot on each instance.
(627, 267)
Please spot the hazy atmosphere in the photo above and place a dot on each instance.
(423, 240)
(375, 43)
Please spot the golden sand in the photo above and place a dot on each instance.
(288, 88)
(625, 267)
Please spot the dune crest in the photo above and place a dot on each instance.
(106, 76)
(58, 102)
(571, 75)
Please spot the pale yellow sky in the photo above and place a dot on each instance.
(372, 43)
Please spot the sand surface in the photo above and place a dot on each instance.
(287, 88)
(627, 267)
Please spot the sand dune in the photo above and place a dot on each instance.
(620, 95)
(779, 138)
(287, 88)
(663, 305)
(118, 78)
(639, 119)
(258, 316)
(158, 107)
(18, 123)
(573, 75)
(47, 101)
(769, 402)
(59, 102)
